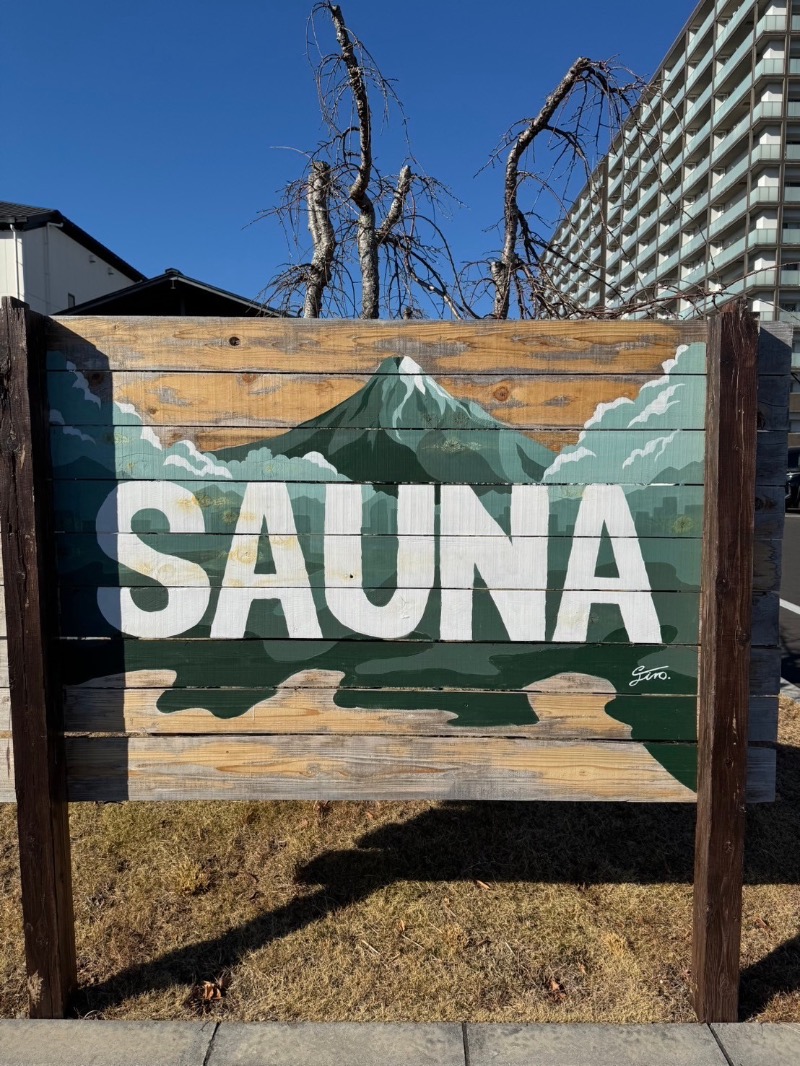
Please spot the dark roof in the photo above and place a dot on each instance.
(25, 217)
(172, 293)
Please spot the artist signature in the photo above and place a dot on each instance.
(653, 673)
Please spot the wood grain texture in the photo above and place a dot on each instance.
(7, 791)
(724, 664)
(38, 752)
(288, 400)
(368, 768)
(340, 767)
(296, 347)
(318, 709)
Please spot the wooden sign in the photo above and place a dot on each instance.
(359, 560)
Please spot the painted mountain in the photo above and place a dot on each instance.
(401, 427)
(425, 435)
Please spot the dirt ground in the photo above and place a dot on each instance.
(421, 912)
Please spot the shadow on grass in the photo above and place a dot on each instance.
(506, 842)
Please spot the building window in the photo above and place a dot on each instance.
(70, 299)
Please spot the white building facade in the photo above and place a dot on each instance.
(700, 194)
(52, 264)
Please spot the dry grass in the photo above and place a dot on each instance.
(485, 912)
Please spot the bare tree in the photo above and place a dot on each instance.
(377, 245)
(375, 238)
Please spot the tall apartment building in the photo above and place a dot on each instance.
(700, 194)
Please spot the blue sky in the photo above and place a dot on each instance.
(153, 125)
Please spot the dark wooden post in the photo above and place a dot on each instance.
(35, 707)
(724, 682)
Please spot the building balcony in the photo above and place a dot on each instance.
(647, 194)
(771, 24)
(727, 217)
(696, 107)
(789, 235)
(693, 246)
(762, 278)
(698, 34)
(790, 278)
(667, 264)
(767, 109)
(792, 151)
(766, 153)
(670, 231)
(734, 22)
(694, 142)
(794, 66)
(702, 67)
(791, 194)
(765, 194)
(727, 255)
(763, 238)
(720, 188)
(768, 68)
(735, 97)
(694, 276)
(729, 141)
(729, 64)
(699, 205)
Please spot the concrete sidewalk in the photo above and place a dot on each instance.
(92, 1043)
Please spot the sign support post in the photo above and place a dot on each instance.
(40, 775)
(724, 678)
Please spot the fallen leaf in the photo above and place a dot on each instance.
(401, 925)
(556, 991)
(483, 885)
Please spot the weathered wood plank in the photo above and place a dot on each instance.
(128, 452)
(765, 628)
(762, 719)
(770, 510)
(88, 709)
(658, 510)
(765, 671)
(193, 663)
(767, 565)
(369, 767)
(96, 774)
(107, 662)
(82, 562)
(214, 439)
(724, 664)
(553, 708)
(296, 347)
(44, 851)
(770, 460)
(772, 412)
(7, 791)
(468, 768)
(775, 350)
(562, 711)
(288, 400)
(348, 614)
